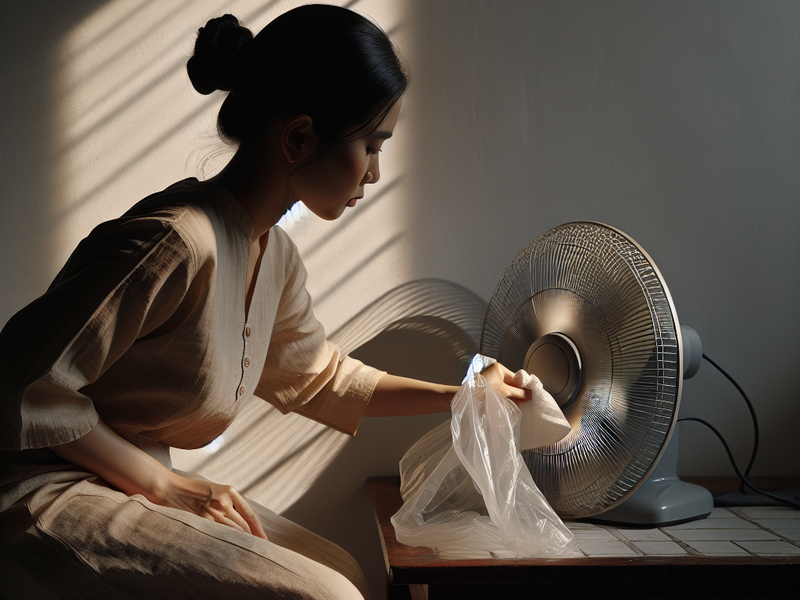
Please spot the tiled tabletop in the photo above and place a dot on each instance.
(744, 552)
(747, 531)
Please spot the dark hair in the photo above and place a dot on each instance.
(324, 61)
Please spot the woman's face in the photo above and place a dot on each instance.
(338, 181)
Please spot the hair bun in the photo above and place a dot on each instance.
(214, 65)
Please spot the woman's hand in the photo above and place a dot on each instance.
(501, 379)
(132, 471)
(212, 501)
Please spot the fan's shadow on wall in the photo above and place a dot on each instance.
(426, 329)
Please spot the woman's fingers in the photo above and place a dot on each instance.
(502, 379)
(220, 516)
(517, 394)
(520, 395)
(227, 515)
(233, 510)
(248, 515)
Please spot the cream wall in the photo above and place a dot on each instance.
(678, 122)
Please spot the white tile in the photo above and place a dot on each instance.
(718, 548)
(645, 535)
(660, 548)
(714, 524)
(778, 523)
(790, 534)
(606, 549)
(770, 548)
(721, 513)
(719, 535)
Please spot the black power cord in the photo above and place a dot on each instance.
(743, 477)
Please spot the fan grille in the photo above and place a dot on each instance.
(596, 286)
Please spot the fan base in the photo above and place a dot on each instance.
(662, 499)
(660, 504)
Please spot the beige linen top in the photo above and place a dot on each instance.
(145, 328)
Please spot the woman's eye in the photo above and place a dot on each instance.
(373, 150)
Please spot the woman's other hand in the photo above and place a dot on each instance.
(212, 501)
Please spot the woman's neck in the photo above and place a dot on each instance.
(259, 184)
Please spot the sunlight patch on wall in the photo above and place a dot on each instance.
(129, 121)
(130, 124)
(126, 113)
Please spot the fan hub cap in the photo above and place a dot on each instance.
(556, 361)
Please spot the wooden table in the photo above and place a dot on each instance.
(418, 573)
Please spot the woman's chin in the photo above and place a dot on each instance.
(330, 214)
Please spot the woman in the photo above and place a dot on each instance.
(165, 319)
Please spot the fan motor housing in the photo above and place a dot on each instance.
(556, 361)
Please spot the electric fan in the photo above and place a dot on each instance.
(586, 310)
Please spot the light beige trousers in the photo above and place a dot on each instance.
(90, 541)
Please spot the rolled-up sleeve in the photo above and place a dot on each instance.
(303, 371)
(114, 289)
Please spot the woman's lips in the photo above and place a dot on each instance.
(352, 202)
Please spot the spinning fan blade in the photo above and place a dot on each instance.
(585, 306)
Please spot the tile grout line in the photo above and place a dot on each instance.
(691, 551)
(745, 517)
(616, 533)
(737, 511)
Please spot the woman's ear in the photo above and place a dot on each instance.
(299, 141)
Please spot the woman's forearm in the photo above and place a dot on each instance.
(399, 396)
(129, 469)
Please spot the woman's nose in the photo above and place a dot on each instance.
(373, 173)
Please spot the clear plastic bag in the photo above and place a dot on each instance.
(467, 491)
